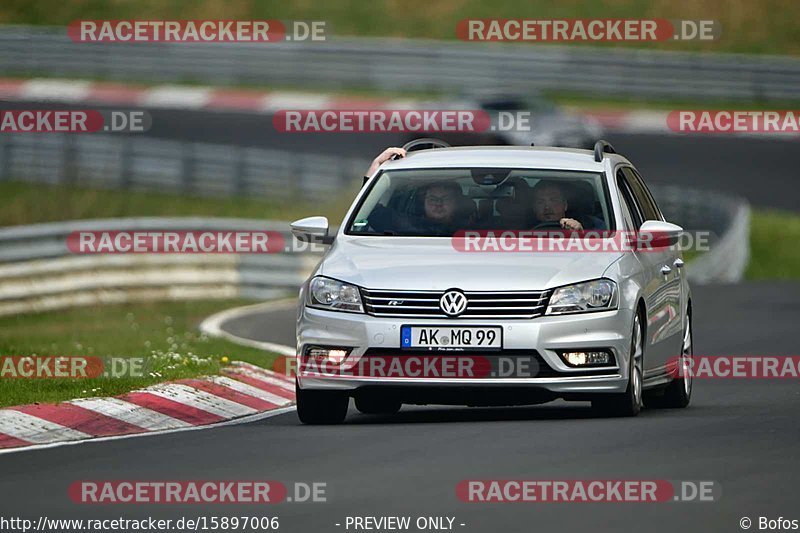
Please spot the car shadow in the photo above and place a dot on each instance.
(440, 414)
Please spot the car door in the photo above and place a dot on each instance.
(661, 281)
(665, 325)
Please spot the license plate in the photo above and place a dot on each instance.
(450, 338)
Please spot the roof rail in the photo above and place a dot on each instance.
(601, 147)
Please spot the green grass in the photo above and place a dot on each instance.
(774, 250)
(165, 334)
(29, 203)
(277, 85)
(626, 103)
(767, 26)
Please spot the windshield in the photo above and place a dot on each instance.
(440, 202)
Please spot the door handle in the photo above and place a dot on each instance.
(678, 263)
(665, 270)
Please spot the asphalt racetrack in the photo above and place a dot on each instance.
(741, 434)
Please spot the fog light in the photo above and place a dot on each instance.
(586, 358)
(328, 355)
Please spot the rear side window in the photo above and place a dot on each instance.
(628, 199)
(643, 197)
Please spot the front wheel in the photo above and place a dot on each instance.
(678, 393)
(321, 407)
(628, 403)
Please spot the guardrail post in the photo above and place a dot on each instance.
(240, 184)
(69, 163)
(126, 163)
(5, 162)
(187, 168)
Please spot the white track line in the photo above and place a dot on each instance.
(130, 413)
(37, 430)
(213, 325)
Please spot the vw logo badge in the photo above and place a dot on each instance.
(453, 302)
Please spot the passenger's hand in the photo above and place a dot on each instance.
(570, 223)
(384, 157)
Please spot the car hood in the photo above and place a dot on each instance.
(425, 263)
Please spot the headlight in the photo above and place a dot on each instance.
(597, 295)
(326, 293)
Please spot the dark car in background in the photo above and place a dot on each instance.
(546, 125)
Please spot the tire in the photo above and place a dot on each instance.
(321, 407)
(628, 403)
(678, 393)
(370, 405)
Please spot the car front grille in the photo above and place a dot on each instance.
(480, 304)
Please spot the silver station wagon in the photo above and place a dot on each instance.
(488, 276)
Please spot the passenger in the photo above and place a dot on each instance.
(441, 211)
(442, 207)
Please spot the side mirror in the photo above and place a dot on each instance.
(312, 229)
(657, 234)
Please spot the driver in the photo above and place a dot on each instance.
(550, 206)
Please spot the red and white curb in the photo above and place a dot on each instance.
(636, 121)
(79, 92)
(254, 101)
(183, 97)
(243, 391)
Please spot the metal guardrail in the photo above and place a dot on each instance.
(38, 272)
(394, 64)
(128, 161)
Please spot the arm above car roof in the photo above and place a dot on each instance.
(434, 143)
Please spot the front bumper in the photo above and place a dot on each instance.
(541, 336)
